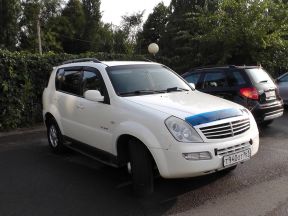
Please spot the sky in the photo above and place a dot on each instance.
(112, 10)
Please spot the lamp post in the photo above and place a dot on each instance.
(153, 48)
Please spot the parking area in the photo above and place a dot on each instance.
(34, 181)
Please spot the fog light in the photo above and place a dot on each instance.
(197, 156)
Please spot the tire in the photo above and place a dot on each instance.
(141, 168)
(266, 123)
(55, 137)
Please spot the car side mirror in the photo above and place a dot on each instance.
(192, 85)
(94, 95)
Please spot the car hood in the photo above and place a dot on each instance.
(183, 104)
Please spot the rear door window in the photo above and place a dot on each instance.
(215, 79)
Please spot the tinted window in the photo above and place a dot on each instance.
(193, 78)
(284, 78)
(258, 75)
(91, 81)
(214, 79)
(133, 78)
(69, 81)
(236, 78)
(59, 78)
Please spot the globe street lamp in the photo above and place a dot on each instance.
(153, 48)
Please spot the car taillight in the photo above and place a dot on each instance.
(250, 93)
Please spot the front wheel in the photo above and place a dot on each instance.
(141, 168)
(55, 137)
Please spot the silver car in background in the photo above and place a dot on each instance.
(282, 83)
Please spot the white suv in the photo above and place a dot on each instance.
(144, 116)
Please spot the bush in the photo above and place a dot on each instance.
(23, 76)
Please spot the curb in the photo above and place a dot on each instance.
(20, 131)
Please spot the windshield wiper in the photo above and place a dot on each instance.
(141, 92)
(263, 81)
(138, 92)
(176, 89)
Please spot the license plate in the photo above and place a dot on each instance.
(270, 95)
(236, 157)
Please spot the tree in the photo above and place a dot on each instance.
(9, 26)
(93, 27)
(245, 32)
(73, 18)
(153, 29)
(126, 35)
(181, 29)
(35, 19)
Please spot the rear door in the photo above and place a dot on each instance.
(68, 82)
(215, 82)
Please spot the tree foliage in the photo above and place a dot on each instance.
(73, 18)
(45, 11)
(23, 77)
(226, 32)
(9, 25)
(154, 28)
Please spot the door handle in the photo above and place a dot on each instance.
(80, 106)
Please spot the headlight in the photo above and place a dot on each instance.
(181, 130)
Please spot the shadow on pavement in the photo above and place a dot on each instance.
(35, 181)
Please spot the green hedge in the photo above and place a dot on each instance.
(23, 76)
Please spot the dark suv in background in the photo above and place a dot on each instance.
(250, 86)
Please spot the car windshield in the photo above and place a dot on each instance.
(130, 80)
(258, 75)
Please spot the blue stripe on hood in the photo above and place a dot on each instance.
(207, 117)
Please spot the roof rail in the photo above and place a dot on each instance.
(207, 67)
(81, 60)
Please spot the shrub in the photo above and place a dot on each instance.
(23, 76)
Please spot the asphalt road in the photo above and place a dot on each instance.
(34, 181)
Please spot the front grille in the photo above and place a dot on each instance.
(232, 149)
(226, 130)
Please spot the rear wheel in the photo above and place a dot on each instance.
(55, 138)
(141, 168)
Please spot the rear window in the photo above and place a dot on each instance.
(258, 75)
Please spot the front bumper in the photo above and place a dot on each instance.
(172, 164)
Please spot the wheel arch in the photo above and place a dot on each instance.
(50, 117)
(122, 146)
